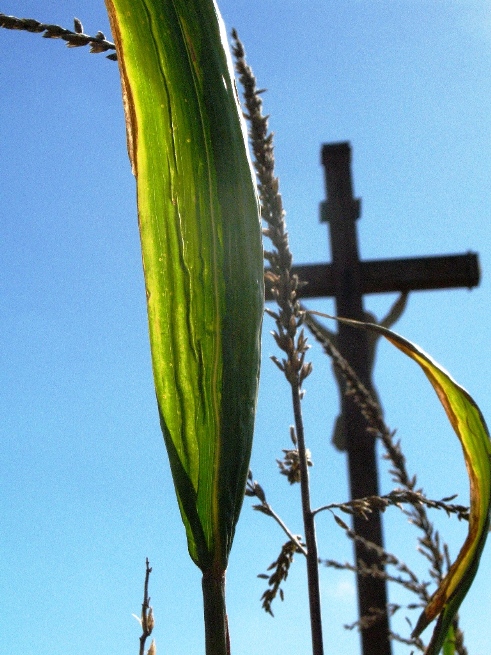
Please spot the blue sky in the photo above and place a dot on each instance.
(84, 479)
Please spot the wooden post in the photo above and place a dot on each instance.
(347, 279)
(342, 211)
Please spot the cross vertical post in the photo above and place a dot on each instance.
(341, 211)
(348, 279)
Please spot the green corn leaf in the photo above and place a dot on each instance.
(470, 427)
(202, 253)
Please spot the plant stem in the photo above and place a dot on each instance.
(284, 289)
(309, 527)
(216, 625)
(147, 620)
(286, 530)
(74, 39)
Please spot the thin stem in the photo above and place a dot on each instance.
(74, 38)
(147, 620)
(289, 319)
(255, 489)
(286, 530)
(365, 506)
(215, 614)
(309, 527)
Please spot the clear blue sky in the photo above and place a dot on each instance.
(84, 481)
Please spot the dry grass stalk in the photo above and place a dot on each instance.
(430, 545)
(74, 38)
(146, 620)
(289, 316)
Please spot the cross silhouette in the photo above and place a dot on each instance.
(348, 279)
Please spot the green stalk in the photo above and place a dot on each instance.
(216, 623)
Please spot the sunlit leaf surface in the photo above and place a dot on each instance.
(202, 253)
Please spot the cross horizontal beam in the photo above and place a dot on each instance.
(386, 275)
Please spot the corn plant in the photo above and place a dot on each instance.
(203, 264)
(202, 258)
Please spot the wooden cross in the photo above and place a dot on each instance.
(347, 279)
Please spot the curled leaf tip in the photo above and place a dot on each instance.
(470, 427)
